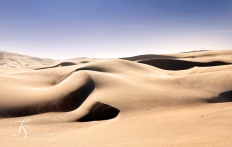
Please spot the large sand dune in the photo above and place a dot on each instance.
(175, 100)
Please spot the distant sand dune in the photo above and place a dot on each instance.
(1, 56)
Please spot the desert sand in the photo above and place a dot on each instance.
(173, 100)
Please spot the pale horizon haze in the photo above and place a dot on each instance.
(62, 29)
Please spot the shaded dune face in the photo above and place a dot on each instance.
(173, 64)
(146, 57)
(100, 111)
(74, 99)
(83, 62)
(58, 65)
(221, 98)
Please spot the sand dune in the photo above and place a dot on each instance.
(175, 100)
(172, 64)
(8, 59)
(14, 60)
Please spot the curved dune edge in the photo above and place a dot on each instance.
(180, 100)
(172, 64)
(41, 100)
(58, 65)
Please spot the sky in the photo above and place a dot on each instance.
(62, 29)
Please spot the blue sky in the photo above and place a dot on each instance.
(62, 29)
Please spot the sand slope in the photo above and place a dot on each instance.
(176, 100)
